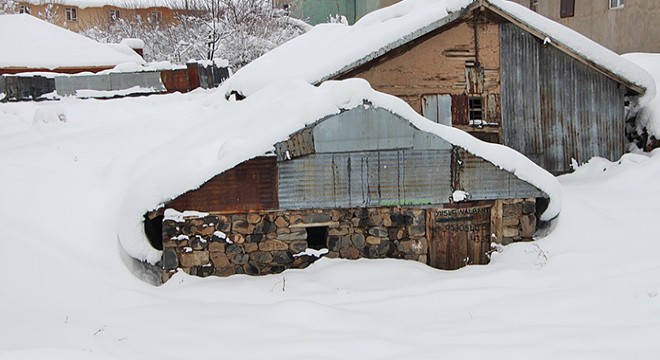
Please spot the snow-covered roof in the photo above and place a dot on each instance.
(131, 4)
(329, 50)
(36, 44)
(235, 133)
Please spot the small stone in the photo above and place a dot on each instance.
(206, 231)
(238, 269)
(358, 240)
(528, 207)
(338, 231)
(170, 261)
(527, 226)
(250, 269)
(264, 228)
(512, 210)
(334, 243)
(373, 240)
(298, 246)
(282, 257)
(350, 252)
(317, 218)
(276, 269)
(375, 220)
(196, 222)
(167, 275)
(195, 258)
(283, 231)
(224, 271)
(217, 246)
(261, 257)
(237, 238)
(417, 230)
(240, 258)
(510, 221)
(253, 218)
(387, 221)
(371, 252)
(378, 231)
(250, 247)
(219, 259)
(233, 249)
(295, 219)
(510, 232)
(240, 226)
(273, 245)
(280, 222)
(204, 271)
(197, 243)
(422, 259)
(386, 248)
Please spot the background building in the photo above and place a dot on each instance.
(621, 25)
(319, 11)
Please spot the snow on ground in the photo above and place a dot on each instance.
(589, 290)
(650, 117)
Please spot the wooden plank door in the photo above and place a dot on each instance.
(460, 237)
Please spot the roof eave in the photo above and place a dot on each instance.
(565, 49)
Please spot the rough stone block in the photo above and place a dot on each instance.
(264, 227)
(350, 253)
(261, 257)
(298, 246)
(417, 230)
(373, 240)
(234, 249)
(253, 218)
(282, 257)
(204, 271)
(255, 238)
(338, 231)
(512, 210)
(224, 271)
(273, 245)
(217, 246)
(317, 218)
(219, 260)
(510, 221)
(237, 238)
(528, 207)
(250, 247)
(170, 261)
(239, 258)
(378, 231)
(280, 222)
(198, 243)
(241, 227)
(527, 226)
(194, 258)
(509, 232)
(296, 234)
(167, 275)
(358, 240)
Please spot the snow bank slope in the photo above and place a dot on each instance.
(40, 44)
(650, 117)
(589, 290)
(237, 134)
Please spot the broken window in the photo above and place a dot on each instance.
(24, 9)
(476, 111)
(114, 15)
(71, 14)
(616, 4)
(317, 237)
(567, 8)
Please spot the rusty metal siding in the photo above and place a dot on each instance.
(381, 178)
(555, 108)
(485, 181)
(250, 186)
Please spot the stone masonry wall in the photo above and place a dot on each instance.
(518, 220)
(262, 243)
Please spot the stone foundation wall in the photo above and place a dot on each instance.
(518, 220)
(260, 243)
(270, 242)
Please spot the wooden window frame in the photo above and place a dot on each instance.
(475, 107)
(71, 14)
(567, 8)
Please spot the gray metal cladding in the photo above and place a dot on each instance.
(554, 107)
(68, 85)
(485, 181)
(371, 129)
(360, 179)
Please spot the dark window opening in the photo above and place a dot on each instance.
(476, 111)
(153, 229)
(534, 5)
(317, 237)
(567, 8)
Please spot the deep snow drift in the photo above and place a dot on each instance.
(588, 290)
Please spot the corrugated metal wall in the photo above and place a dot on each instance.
(555, 108)
(359, 179)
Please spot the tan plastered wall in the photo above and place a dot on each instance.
(437, 65)
(98, 16)
(632, 28)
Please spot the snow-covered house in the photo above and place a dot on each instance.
(359, 175)
(493, 68)
(41, 46)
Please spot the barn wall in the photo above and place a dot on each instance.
(555, 108)
(437, 65)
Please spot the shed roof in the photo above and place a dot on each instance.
(41, 45)
(329, 50)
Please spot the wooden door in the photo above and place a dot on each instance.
(460, 237)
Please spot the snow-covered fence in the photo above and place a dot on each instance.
(109, 84)
(20, 88)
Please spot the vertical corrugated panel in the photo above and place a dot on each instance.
(437, 108)
(555, 108)
(250, 185)
(485, 181)
(359, 179)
